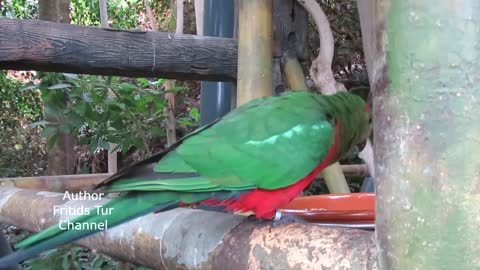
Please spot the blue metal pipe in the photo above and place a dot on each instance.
(216, 97)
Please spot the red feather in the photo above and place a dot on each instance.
(265, 202)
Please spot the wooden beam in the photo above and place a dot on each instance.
(56, 183)
(169, 241)
(58, 47)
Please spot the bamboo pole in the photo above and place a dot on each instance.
(426, 107)
(292, 70)
(217, 240)
(254, 50)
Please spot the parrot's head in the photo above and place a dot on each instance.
(356, 122)
(365, 132)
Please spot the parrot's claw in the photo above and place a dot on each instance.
(282, 218)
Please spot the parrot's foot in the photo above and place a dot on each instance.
(282, 218)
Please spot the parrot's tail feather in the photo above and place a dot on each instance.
(123, 209)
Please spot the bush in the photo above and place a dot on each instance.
(22, 150)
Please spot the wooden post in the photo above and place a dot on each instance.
(254, 50)
(112, 155)
(426, 109)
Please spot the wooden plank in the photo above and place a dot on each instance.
(57, 47)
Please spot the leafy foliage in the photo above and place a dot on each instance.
(67, 257)
(122, 14)
(20, 144)
(19, 9)
(133, 117)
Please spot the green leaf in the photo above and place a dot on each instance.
(66, 262)
(93, 146)
(52, 141)
(104, 145)
(65, 127)
(194, 113)
(158, 132)
(185, 122)
(74, 119)
(176, 89)
(97, 262)
(39, 123)
(126, 87)
(60, 86)
(27, 88)
(71, 76)
(48, 132)
(143, 82)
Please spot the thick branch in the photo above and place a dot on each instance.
(168, 240)
(321, 69)
(151, 17)
(324, 30)
(57, 47)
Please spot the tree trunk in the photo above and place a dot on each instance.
(61, 156)
(426, 108)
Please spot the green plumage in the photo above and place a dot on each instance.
(268, 143)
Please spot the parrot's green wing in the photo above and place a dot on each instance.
(271, 143)
(268, 143)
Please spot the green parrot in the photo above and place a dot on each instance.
(256, 158)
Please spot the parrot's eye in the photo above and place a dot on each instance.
(329, 117)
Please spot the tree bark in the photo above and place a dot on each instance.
(426, 107)
(217, 241)
(59, 47)
(61, 157)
